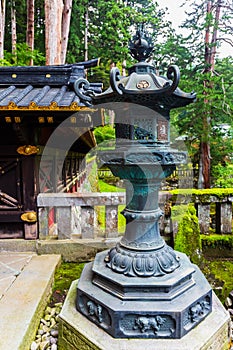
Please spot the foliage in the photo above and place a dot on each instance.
(207, 21)
(105, 187)
(110, 25)
(103, 133)
(21, 25)
(201, 18)
(189, 121)
(100, 74)
(22, 56)
(173, 50)
(188, 239)
(223, 175)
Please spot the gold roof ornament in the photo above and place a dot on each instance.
(27, 150)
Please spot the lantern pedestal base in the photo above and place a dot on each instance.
(76, 332)
(166, 306)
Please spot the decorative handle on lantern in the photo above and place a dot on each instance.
(114, 78)
(173, 73)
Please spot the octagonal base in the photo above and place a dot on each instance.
(76, 332)
(168, 306)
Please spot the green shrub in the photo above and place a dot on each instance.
(187, 239)
(217, 241)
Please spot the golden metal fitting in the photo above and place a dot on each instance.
(27, 150)
(29, 216)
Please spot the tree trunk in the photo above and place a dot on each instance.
(2, 27)
(215, 33)
(210, 53)
(13, 30)
(86, 35)
(66, 15)
(53, 20)
(30, 26)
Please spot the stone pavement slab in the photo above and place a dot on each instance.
(26, 286)
(11, 265)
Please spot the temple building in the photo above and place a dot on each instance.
(34, 102)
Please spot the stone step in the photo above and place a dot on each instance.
(22, 306)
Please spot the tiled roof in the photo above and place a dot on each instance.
(41, 88)
(46, 97)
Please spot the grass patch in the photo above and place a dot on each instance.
(105, 187)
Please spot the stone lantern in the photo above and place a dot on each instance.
(142, 288)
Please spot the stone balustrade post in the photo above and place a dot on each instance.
(224, 217)
(87, 222)
(63, 219)
(111, 221)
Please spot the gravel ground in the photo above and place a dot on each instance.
(47, 334)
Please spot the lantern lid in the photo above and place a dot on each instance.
(143, 85)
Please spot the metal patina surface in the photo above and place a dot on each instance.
(142, 288)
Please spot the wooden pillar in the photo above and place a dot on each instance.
(29, 195)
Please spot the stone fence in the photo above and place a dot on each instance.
(76, 215)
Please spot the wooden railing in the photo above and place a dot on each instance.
(76, 215)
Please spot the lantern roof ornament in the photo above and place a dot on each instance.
(142, 86)
(141, 45)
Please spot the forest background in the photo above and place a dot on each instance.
(51, 32)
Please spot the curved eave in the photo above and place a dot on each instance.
(148, 98)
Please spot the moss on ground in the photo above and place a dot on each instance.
(219, 274)
(64, 276)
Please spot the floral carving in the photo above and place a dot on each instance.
(153, 263)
